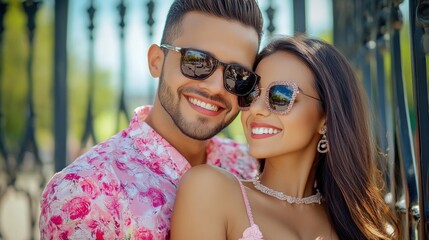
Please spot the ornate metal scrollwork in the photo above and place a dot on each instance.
(89, 122)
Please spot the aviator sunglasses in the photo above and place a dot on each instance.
(279, 97)
(199, 65)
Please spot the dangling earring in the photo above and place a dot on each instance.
(322, 146)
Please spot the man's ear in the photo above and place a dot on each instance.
(155, 59)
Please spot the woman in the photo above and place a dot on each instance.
(308, 120)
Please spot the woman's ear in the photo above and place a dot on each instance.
(323, 126)
(155, 59)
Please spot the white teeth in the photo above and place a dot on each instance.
(264, 131)
(204, 105)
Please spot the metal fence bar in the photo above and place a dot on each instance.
(382, 16)
(60, 84)
(347, 13)
(299, 21)
(122, 105)
(382, 126)
(419, 27)
(89, 132)
(150, 21)
(29, 142)
(403, 135)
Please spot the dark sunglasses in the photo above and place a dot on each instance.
(279, 97)
(199, 65)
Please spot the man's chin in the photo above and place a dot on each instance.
(201, 132)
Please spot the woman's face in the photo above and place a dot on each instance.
(277, 134)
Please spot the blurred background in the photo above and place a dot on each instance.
(72, 72)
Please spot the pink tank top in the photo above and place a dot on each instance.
(252, 232)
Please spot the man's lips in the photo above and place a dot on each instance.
(202, 104)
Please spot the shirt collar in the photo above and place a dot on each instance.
(145, 138)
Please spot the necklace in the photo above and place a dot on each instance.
(316, 198)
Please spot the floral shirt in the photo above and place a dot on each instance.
(124, 188)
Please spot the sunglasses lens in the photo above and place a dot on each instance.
(197, 65)
(239, 80)
(244, 102)
(280, 97)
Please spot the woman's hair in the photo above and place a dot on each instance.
(246, 12)
(347, 174)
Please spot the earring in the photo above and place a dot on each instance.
(322, 146)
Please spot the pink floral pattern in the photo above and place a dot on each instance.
(77, 207)
(124, 188)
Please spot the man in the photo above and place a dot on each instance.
(124, 188)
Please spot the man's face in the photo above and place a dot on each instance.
(202, 108)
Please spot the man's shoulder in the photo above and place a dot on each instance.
(113, 147)
(228, 144)
(94, 163)
(106, 187)
(233, 157)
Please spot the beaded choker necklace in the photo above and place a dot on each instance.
(316, 198)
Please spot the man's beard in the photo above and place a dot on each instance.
(197, 130)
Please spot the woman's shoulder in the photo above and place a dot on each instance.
(203, 190)
(203, 204)
(209, 185)
(206, 177)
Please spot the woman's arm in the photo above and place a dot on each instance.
(199, 211)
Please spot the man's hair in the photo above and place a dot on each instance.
(246, 12)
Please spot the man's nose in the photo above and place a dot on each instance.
(214, 83)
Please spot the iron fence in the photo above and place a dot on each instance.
(374, 34)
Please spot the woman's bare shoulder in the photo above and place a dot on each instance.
(200, 211)
(208, 178)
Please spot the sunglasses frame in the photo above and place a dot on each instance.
(294, 87)
(216, 64)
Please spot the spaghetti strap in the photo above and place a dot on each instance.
(246, 202)
(253, 232)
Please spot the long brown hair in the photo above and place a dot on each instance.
(247, 12)
(347, 174)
